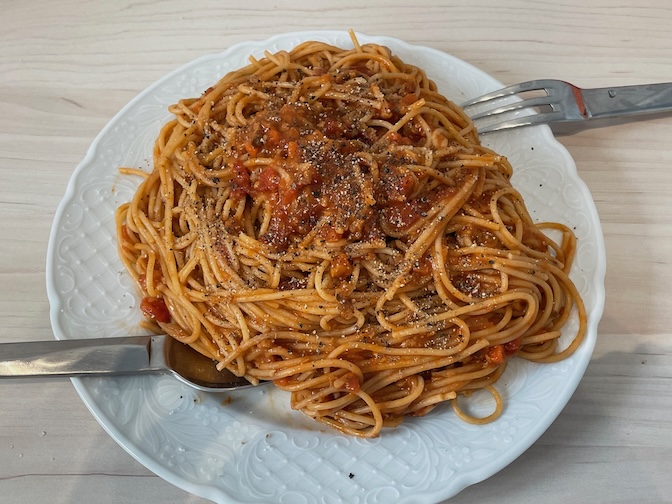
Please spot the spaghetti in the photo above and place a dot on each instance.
(326, 219)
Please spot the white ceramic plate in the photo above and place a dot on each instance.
(251, 448)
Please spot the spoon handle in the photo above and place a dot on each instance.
(81, 357)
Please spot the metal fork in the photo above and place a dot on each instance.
(564, 106)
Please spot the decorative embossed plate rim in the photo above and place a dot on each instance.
(249, 447)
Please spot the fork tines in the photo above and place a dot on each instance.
(505, 109)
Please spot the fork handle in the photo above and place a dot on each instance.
(627, 100)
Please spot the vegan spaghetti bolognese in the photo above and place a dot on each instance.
(324, 218)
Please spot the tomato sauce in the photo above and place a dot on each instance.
(318, 174)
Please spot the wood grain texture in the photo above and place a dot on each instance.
(67, 67)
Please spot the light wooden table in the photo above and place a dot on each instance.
(67, 67)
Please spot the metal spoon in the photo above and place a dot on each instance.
(129, 355)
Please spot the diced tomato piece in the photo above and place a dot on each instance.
(333, 128)
(495, 354)
(273, 137)
(125, 235)
(512, 347)
(424, 266)
(251, 149)
(155, 308)
(341, 266)
(349, 382)
(409, 99)
(268, 180)
(241, 179)
(402, 214)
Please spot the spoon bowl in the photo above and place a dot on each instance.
(197, 370)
